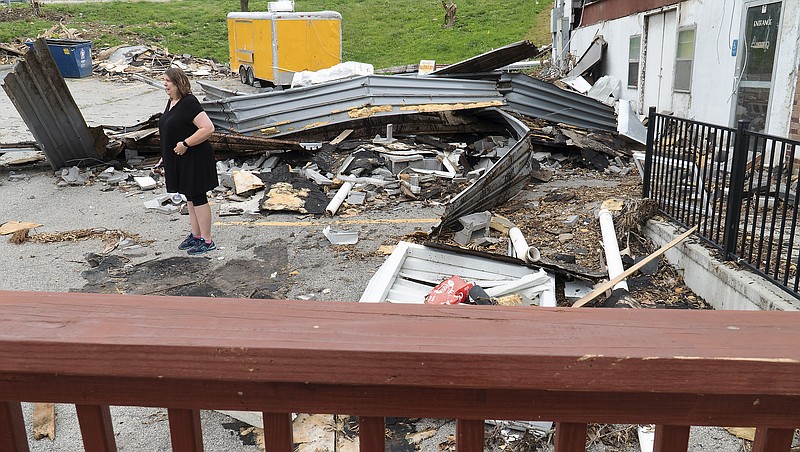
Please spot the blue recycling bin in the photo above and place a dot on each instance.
(73, 57)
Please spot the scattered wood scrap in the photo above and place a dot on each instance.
(634, 268)
(11, 227)
(44, 421)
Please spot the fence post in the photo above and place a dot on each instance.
(734, 207)
(648, 156)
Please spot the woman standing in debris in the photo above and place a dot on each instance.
(187, 156)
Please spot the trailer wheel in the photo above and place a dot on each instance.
(243, 74)
(251, 77)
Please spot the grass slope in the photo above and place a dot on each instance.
(380, 32)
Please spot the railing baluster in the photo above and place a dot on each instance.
(278, 432)
(371, 434)
(648, 157)
(733, 208)
(96, 428)
(773, 440)
(570, 437)
(469, 435)
(12, 428)
(185, 431)
(671, 438)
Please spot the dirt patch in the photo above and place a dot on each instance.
(29, 15)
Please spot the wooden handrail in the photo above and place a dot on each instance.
(573, 366)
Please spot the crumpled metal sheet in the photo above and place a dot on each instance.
(500, 183)
(38, 91)
(279, 113)
(537, 99)
(491, 60)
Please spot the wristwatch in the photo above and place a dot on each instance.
(185, 144)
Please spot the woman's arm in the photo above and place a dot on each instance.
(204, 129)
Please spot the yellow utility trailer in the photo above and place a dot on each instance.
(272, 46)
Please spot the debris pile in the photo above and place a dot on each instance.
(480, 147)
(126, 62)
(122, 62)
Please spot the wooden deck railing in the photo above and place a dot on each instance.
(672, 368)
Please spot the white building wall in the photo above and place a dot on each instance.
(715, 68)
(617, 34)
(711, 98)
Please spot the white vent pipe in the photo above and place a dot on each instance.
(611, 248)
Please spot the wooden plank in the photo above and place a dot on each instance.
(469, 435)
(633, 269)
(371, 434)
(13, 437)
(570, 437)
(278, 432)
(96, 428)
(671, 438)
(185, 431)
(341, 137)
(414, 401)
(773, 440)
(44, 420)
(196, 339)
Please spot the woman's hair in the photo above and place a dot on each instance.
(179, 78)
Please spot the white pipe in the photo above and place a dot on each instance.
(611, 248)
(533, 254)
(338, 199)
(521, 248)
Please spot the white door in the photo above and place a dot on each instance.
(659, 64)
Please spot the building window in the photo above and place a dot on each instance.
(634, 50)
(685, 57)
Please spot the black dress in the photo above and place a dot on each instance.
(194, 172)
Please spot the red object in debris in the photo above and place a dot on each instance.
(452, 290)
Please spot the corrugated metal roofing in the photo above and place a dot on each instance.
(491, 60)
(537, 99)
(500, 183)
(38, 91)
(279, 113)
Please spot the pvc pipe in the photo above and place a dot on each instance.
(611, 248)
(338, 199)
(533, 254)
(522, 250)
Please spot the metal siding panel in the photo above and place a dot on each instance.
(396, 281)
(537, 99)
(497, 185)
(491, 60)
(285, 112)
(40, 94)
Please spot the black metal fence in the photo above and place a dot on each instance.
(738, 186)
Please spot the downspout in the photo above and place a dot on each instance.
(611, 249)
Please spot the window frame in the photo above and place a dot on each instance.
(637, 61)
(679, 59)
